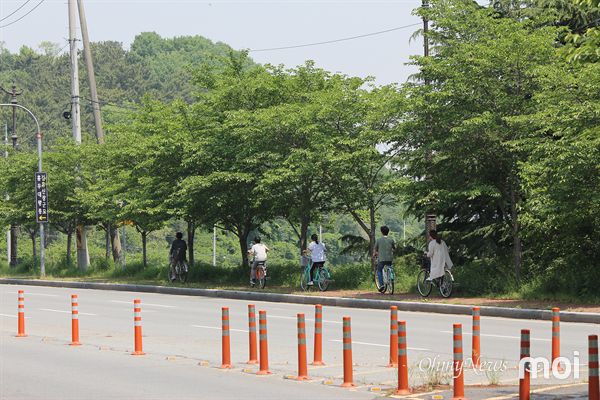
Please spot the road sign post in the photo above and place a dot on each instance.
(41, 197)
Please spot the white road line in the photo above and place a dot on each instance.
(306, 319)
(502, 336)
(35, 294)
(10, 316)
(143, 304)
(219, 328)
(62, 311)
(380, 345)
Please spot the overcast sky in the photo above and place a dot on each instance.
(241, 24)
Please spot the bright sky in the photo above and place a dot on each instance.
(241, 24)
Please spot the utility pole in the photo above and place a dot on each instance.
(90, 72)
(425, 4)
(75, 106)
(13, 228)
(41, 222)
(83, 259)
(7, 197)
(214, 260)
(430, 217)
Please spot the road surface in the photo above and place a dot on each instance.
(182, 339)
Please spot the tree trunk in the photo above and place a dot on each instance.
(69, 247)
(373, 229)
(107, 248)
(115, 242)
(83, 257)
(304, 224)
(144, 242)
(191, 233)
(242, 234)
(516, 232)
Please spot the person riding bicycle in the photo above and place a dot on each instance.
(437, 251)
(384, 251)
(177, 253)
(259, 252)
(317, 252)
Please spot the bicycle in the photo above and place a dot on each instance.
(180, 269)
(388, 280)
(444, 283)
(261, 274)
(322, 278)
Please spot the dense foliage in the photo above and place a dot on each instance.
(498, 134)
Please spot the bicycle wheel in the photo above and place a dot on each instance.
(389, 279)
(446, 284)
(261, 277)
(423, 285)
(323, 279)
(304, 280)
(182, 272)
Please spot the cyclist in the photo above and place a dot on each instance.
(437, 251)
(384, 251)
(259, 252)
(177, 253)
(317, 252)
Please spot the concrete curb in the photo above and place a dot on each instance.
(486, 311)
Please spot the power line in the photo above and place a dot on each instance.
(14, 12)
(336, 40)
(24, 15)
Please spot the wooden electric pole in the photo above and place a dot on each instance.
(90, 73)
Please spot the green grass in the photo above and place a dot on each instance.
(476, 279)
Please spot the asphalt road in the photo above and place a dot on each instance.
(182, 339)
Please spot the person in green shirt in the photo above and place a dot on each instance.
(384, 251)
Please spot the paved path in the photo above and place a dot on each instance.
(181, 332)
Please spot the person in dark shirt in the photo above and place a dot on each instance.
(178, 252)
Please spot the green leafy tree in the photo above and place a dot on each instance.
(462, 130)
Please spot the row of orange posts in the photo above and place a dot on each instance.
(398, 346)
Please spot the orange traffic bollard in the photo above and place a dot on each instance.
(476, 338)
(137, 327)
(21, 314)
(225, 342)
(347, 347)
(593, 381)
(318, 348)
(253, 358)
(393, 337)
(458, 373)
(74, 321)
(524, 376)
(264, 346)
(402, 360)
(302, 368)
(556, 338)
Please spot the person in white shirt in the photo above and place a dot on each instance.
(259, 252)
(437, 251)
(317, 251)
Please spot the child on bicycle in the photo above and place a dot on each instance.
(317, 252)
(259, 252)
(384, 251)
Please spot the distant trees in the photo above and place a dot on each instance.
(498, 133)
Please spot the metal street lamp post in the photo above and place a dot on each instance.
(39, 149)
